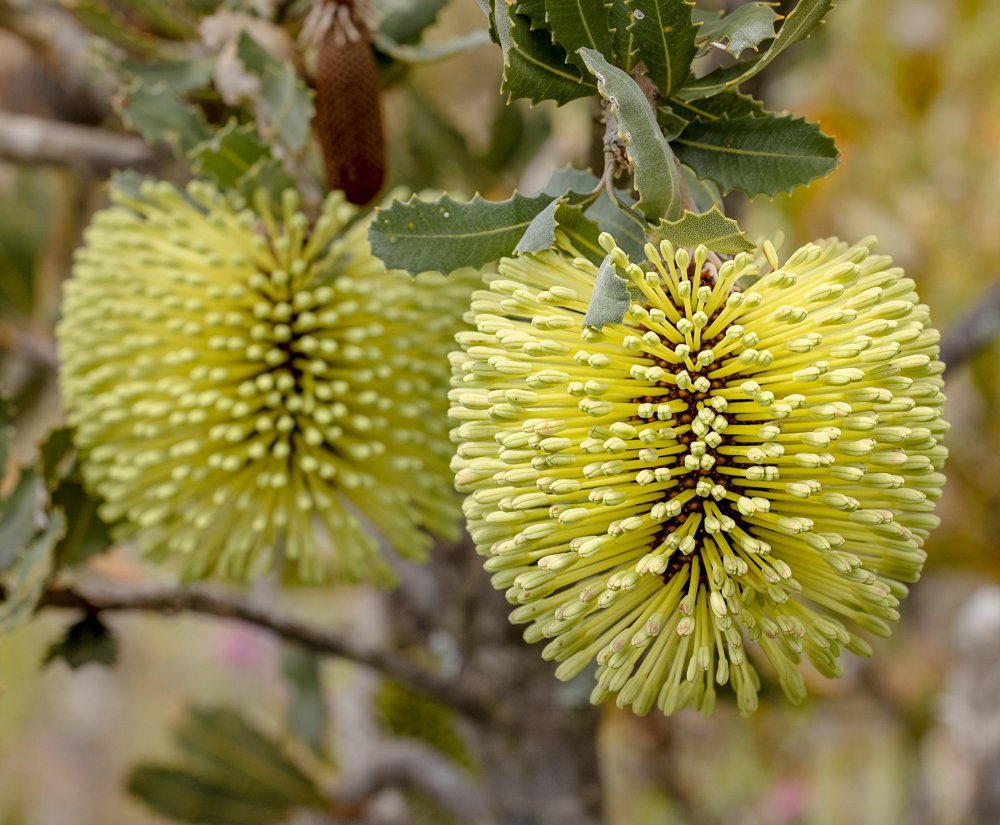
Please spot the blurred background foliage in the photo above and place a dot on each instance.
(909, 90)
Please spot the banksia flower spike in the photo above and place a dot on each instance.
(724, 480)
(248, 390)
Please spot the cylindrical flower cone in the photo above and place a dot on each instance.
(249, 390)
(726, 480)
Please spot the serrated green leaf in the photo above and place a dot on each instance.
(162, 18)
(230, 154)
(226, 747)
(757, 155)
(580, 231)
(580, 23)
(671, 123)
(30, 572)
(624, 40)
(445, 235)
(541, 232)
(729, 104)
(286, 104)
(704, 193)
(21, 514)
(159, 115)
(181, 76)
(88, 641)
(108, 23)
(186, 797)
(611, 298)
(306, 709)
(404, 21)
(665, 40)
(799, 24)
(745, 27)
(571, 179)
(87, 535)
(534, 67)
(711, 229)
(654, 170)
(425, 53)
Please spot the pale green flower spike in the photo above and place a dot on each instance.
(724, 478)
(249, 391)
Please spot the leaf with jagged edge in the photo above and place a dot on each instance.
(181, 76)
(541, 232)
(654, 169)
(30, 571)
(799, 24)
(445, 234)
(156, 112)
(711, 229)
(580, 231)
(87, 641)
(286, 104)
(611, 297)
(624, 40)
(108, 23)
(161, 18)
(665, 40)
(21, 513)
(230, 154)
(731, 104)
(704, 193)
(671, 123)
(534, 67)
(575, 24)
(745, 27)
(757, 155)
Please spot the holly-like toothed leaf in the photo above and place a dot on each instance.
(798, 25)
(711, 229)
(424, 53)
(88, 641)
(580, 231)
(745, 27)
(704, 193)
(162, 18)
(624, 38)
(306, 713)
(671, 123)
(654, 169)
(157, 113)
(30, 571)
(87, 534)
(757, 155)
(445, 235)
(181, 76)
(108, 23)
(184, 796)
(58, 458)
(534, 67)
(575, 24)
(729, 104)
(286, 104)
(230, 154)
(22, 514)
(611, 298)
(404, 21)
(665, 40)
(541, 232)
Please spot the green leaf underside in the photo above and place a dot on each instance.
(541, 232)
(731, 104)
(655, 171)
(227, 748)
(711, 228)
(88, 641)
(404, 21)
(798, 25)
(704, 193)
(611, 298)
(30, 573)
(665, 40)
(230, 154)
(745, 27)
(286, 104)
(624, 225)
(534, 67)
(187, 797)
(757, 155)
(156, 112)
(579, 24)
(306, 713)
(671, 124)
(445, 235)
(20, 514)
(581, 231)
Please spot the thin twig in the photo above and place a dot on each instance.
(170, 600)
(973, 331)
(33, 140)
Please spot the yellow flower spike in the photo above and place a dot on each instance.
(250, 389)
(724, 480)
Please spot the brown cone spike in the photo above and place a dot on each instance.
(349, 112)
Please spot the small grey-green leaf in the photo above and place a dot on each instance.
(745, 27)
(230, 154)
(611, 298)
(306, 713)
(541, 232)
(30, 573)
(711, 229)
(156, 112)
(757, 155)
(404, 21)
(21, 515)
(653, 165)
(180, 76)
(425, 53)
(445, 235)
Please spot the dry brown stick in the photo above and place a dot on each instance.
(170, 600)
(33, 140)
